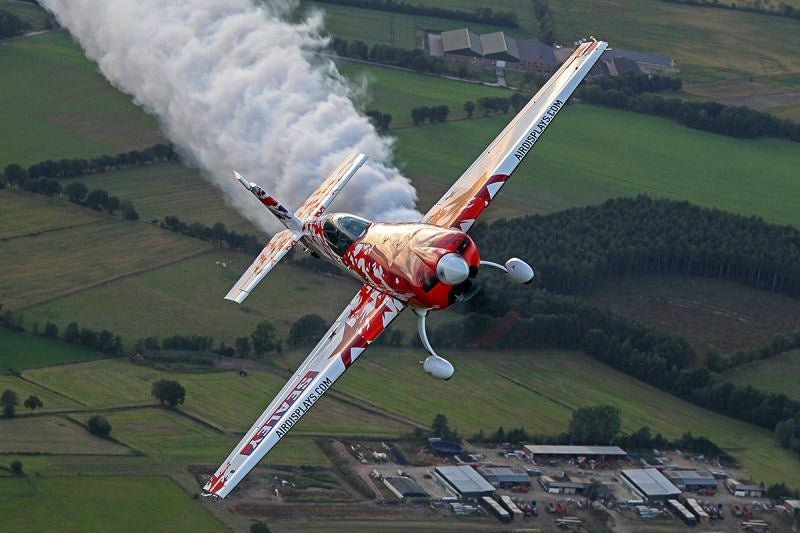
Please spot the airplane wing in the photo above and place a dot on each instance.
(469, 196)
(367, 315)
(316, 204)
(278, 246)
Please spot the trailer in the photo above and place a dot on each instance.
(494, 508)
(697, 510)
(683, 513)
(509, 505)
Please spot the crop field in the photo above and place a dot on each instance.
(397, 92)
(35, 16)
(734, 44)
(709, 313)
(395, 29)
(792, 112)
(538, 390)
(50, 400)
(778, 374)
(172, 189)
(522, 8)
(21, 351)
(87, 118)
(84, 464)
(100, 503)
(221, 398)
(26, 214)
(42, 267)
(53, 434)
(593, 153)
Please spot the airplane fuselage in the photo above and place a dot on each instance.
(396, 259)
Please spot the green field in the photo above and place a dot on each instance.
(100, 503)
(593, 153)
(777, 374)
(708, 44)
(21, 351)
(30, 214)
(538, 390)
(85, 117)
(711, 314)
(792, 112)
(396, 29)
(397, 92)
(35, 16)
(52, 401)
(172, 189)
(53, 434)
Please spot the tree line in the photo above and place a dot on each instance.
(779, 344)
(576, 248)
(741, 122)
(432, 114)
(633, 84)
(761, 7)
(217, 234)
(544, 19)
(102, 341)
(9, 401)
(484, 15)
(11, 25)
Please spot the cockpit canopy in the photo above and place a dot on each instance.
(342, 229)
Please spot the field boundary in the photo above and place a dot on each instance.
(45, 387)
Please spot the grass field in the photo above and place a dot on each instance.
(538, 391)
(792, 112)
(709, 313)
(708, 44)
(50, 399)
(35, 16)
(396, 29)
(100, 503)
(398, 92)
(116, 382)
(163, 190)
(53, 434)
(777, 374)
(22, 351)
(30, 214)
(85, 117)
(592, 154)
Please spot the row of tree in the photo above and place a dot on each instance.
(217, 234)
(576, 248)
(757, 6)
(378, 119)
(262, 342)
(741, 122)
(103, 341)
(9, 401)
(485, 15)
(437, 113)
(633, 84)
(779, 344)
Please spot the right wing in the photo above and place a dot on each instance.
(316, 204)
(367, 315)
(471, 194)
(278, 246)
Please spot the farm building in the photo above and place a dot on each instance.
(505, 477)
(405, 488)
(498, 45)
(444, 447)
(461, 42)
(464, 481)
(537, 452)
(650, 484)
(487, 49)
(561, 486)
(692, 479)
(743, 490)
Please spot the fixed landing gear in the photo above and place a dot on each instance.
(517, 269)
(436, 366)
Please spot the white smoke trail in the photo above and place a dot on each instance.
(237, 86)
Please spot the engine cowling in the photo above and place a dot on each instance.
(438, 367)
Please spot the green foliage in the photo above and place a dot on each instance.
(243, 346)
(11, 25)
(593, 490)
(9, 401)
(168, 392)
(264, 339)
(307, 330)
(440, 428)
(33, 402)
(99, 425)
(469, 108)
(16, 468)
(595, 425)
(259, 527)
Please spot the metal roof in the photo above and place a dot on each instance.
(504, 474)
(462, 42)
(651, 482)
(465, 480)
(498, 45)
(407, 487)
(534, 50)
(692, 477)
(537, 449)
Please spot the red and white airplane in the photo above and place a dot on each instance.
(428, 265)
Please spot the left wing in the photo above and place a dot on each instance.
(367, 315)
(469, 196)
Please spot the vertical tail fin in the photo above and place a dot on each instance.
(276, 208)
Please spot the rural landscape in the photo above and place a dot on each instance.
(661, 213)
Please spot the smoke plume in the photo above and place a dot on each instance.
(236, 85)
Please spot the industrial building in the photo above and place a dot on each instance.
(561, 486)
(505, 477)
(537, 452)
(405, 488)
(744, 490)
(649, 484)
(691, 479)
(487, 49)
(464, 481)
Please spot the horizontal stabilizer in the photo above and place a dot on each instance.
(276, 248)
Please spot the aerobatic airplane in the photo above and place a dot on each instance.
(428, 265)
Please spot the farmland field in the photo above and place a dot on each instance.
(593, 153)
(734, 44)
(709, 313)
(53, 434)
(35, 16)
(171, 189)
(21, 351)
(26, 214)
(538, 390)
(778, 374)
(50, 400)
(100, 503)
(87, 118)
